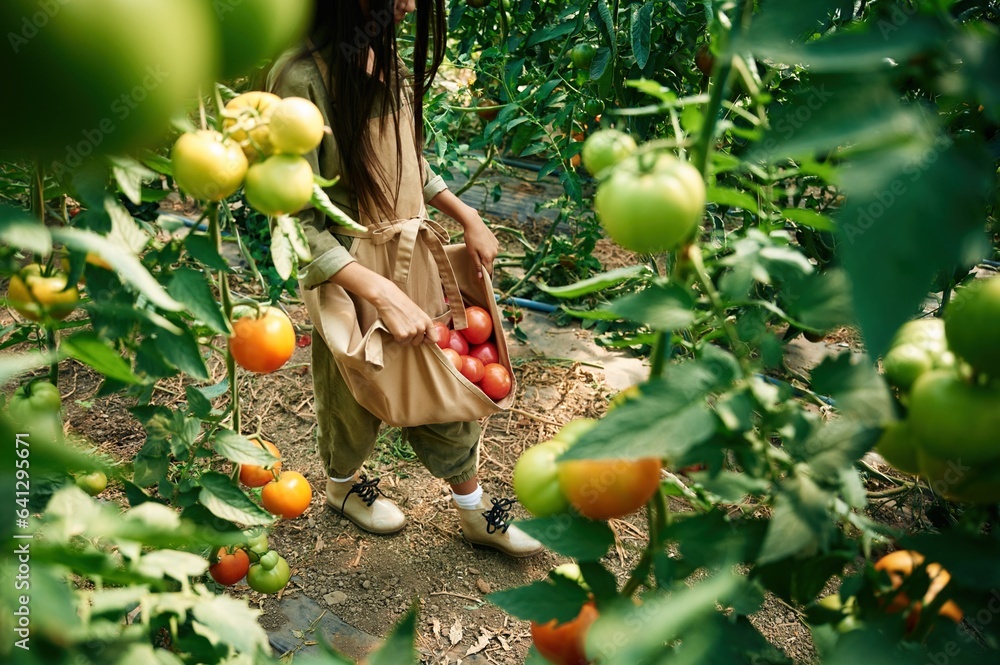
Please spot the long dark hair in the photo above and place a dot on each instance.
(351, 31)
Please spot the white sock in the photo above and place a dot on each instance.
(348, 479)
(468, 501)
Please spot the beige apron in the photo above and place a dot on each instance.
(405, 385)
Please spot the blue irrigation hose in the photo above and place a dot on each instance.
(992, 264)
(533, 305)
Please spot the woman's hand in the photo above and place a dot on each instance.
(407, 323)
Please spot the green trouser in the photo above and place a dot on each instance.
(347, 432)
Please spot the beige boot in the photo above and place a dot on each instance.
(488, 524)
(362, 502)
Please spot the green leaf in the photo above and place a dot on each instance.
(549, 33)
(641, 29)
(92, 350)
(555, 598)
(199, 406)
(731, 487)
(174, 564)
(800, 581)
(227, 501)
(822, 301)
(322, 202)
(629, 633)
(282, 253)
(911, 212)
(18, 229)
(124, 263)
(203, 250)
(233, 621)
(398, 648)
(292, 228)
(810, 218)
(571, 535)
(130, 174)
(15, 364)
(664, 307)
(182, 351)
(858, 389)
(733, 198)
(190, 287)
(800, 521)
(598, 282)
(241, 450)
(591, 314)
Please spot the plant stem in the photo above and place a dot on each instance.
(38, 192)
(488, 159)
(215, 234)
(694, 254)
(52, 344)
(661, 352)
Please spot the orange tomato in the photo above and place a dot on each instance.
(899, 565)
(252, 475)
(563, 643)
(604, 489)
(288, 496)
(262, 341)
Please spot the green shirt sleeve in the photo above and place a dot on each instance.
(299, 77)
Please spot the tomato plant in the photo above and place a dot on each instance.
(582, 55)
(229, 566)
(247, 121)
(296, 126)
(480, 326)
(208, 166)
(36, 294)
(252, 475)
(563, 643)
(288, 496)
(262, 340)
(279, 185)
(536, 479)
(496, 381)
(651, 202)
(270, 574)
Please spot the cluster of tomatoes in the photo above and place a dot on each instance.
(264, 569)
(947, 377)
(284, 493)
(473, 352)
(260, 147)
(647, 199)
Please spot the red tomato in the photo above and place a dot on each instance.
(563, 643)
(487, 352)
(496, 381)
(480, 325)
(444, 334)
(454, 357)
(472, 368)
(229, 568)
(458, 342)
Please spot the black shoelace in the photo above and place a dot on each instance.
(367, 491)
(496, 517)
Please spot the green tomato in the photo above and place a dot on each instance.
(582, 55)
(253, 31)
(651, 203)
(256, 541)
(606, 148)
(905, 364)
(101, 76)
(571, 432)
(280, 185)
(954, 420)
(926, 334)
(972, 325)
(92, 483)
(957, 481)
(36, 408)
(594, 107)
(270, 580)
(899, 448)
(269, 559)
(536, 479)
(571, 571)
(208, 166)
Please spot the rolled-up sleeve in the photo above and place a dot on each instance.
(433, 183)
(301, 79)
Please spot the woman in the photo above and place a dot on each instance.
(351, 70)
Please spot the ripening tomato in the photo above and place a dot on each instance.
(252, 475)
(279, 185)
(229, 567)
(487, 352)
(443, 335)
(454, 356)
(563, 643)
(207, 165)
(246, 122)
(296, 126)
(604, 489)
(262, 340)
(496, 381)
(35, 296)
(288, 496)
(899, 565)
(472, 368)
(458, 342)
(480, 325)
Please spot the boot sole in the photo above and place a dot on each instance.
(492, 546)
